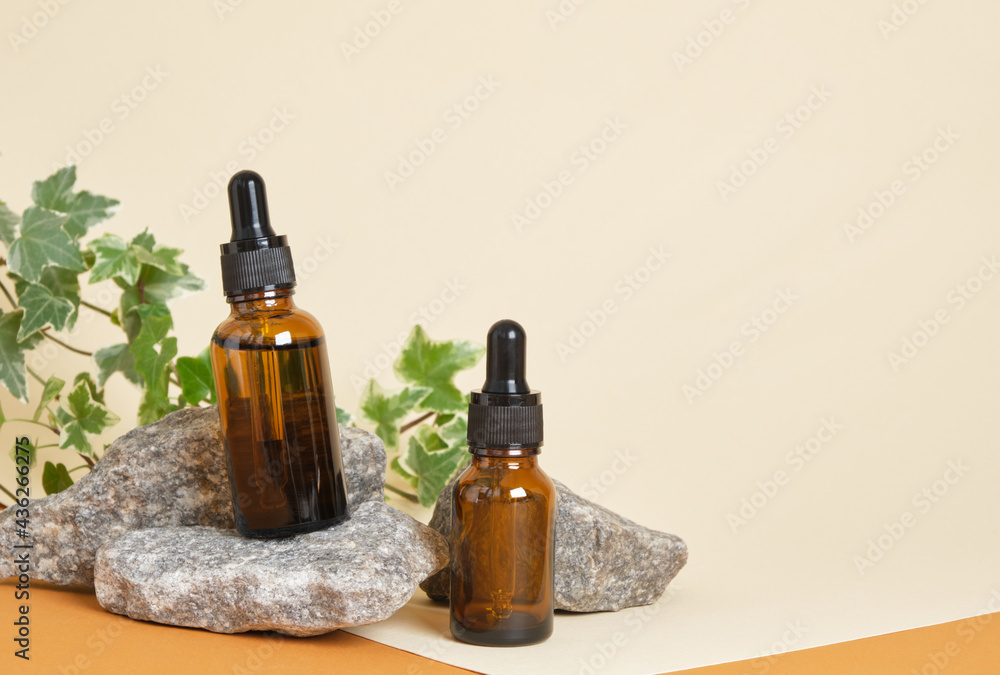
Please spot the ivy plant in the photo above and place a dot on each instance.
(430, 407)
(49, 254)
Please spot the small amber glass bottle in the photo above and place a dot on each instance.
(503, 509)
(269, 361)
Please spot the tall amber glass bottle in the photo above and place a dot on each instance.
(272, 376)
(503, 509)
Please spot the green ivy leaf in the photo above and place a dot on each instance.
(195, 375)
(55, 191)
(398, 467)
(8, 224)
(387, 411)
(114, 258)
(96, 392)
(162, 257)
(42, 309)
(43, 242)
(157, 287)
(156, 322)
(80, 415)
(456, 432)
(152, 364)
(426, 363)
(433, 469)
(50, 391)
(55, 478)
(430, 438)
(344, 418)
(115, 359)
(83, 209)
(12, 371)
(61, 283)
(145, 239)
(32, 453)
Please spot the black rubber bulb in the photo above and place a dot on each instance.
(505, 357)
(248, 207)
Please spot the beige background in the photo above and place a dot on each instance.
(680, 129)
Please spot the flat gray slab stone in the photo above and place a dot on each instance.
(169, 473)
(355, 573)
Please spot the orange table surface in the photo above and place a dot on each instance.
(71, 635)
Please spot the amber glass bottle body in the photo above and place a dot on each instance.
(503, 549)
(279, 423)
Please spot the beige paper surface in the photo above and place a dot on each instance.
(466, 162)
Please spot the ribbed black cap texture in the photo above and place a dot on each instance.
(506, 413)
(255, 259)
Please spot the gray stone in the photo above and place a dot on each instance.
(356, 573)
(172, 472)
(604, 562)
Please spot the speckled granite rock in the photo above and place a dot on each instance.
(357, 573)
(172, 472)
(604, 562)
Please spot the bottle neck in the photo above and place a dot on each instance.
(263, 301)
(505, 453)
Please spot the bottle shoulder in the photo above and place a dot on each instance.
(502, 482)
(266, 327)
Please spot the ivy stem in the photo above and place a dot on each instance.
(36, 376)
(82, 466)
(412, 423)
(41, 424)
(88, 460)
(97, 309)
(45, 333)
(402, 493)
(10, 298)
(8, 493)
(47, 445)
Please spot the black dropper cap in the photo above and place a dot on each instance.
(255, 258)
(506, 413)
